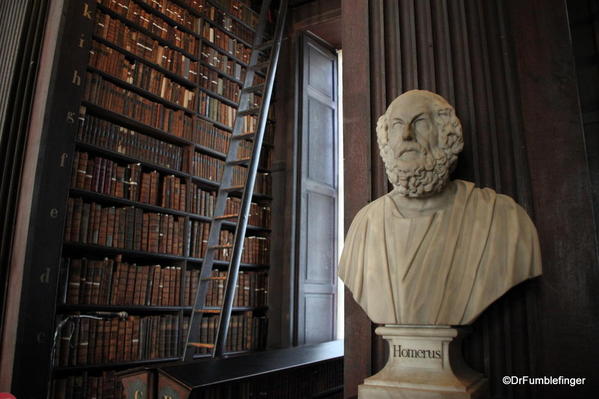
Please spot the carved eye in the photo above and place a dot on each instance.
(421, 122)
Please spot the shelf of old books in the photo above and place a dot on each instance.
(161, 93)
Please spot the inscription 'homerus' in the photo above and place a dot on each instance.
(416, 353)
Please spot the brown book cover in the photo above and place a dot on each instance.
(126, 344)
(83, 343)
(145, 232)
(110, 228)
(195, 279)
(167, 286)
(186, 288)
(85, 213)
(74, 286)
(103, 226)
(138, 286)
(81, 170)
(177, 290)
(156, 286)
(138, 229)
(97, 270)
(162, 234)
(130, 290)
(154, 233)
(145, 188)
(74, 344)
(119, 341)
(69, 220)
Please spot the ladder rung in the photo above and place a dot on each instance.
(249, 111)
(260, 66)
(233, 188)
(207, 310)
(214, 278)
(200, 345)
(229, 216)
(243, 136)
(265, 45)
(242, 161)
(223, 246)
(253, 89)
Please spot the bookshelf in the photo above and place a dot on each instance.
(160, 90)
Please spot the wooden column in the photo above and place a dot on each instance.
(357, 153)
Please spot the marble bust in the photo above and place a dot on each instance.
(433, 251)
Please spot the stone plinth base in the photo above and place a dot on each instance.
(425, 362)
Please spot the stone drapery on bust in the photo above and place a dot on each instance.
(433, 251)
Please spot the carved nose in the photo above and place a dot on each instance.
(407, 133)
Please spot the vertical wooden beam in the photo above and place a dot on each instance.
(357, 164)
(561, 194)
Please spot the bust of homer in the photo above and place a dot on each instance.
(433, 251)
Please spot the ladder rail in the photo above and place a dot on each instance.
(223, 325)
(213, 242)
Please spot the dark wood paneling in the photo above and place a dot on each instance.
(40, 270)
(356, 151)
(465, 50)
(568, 305)
(20, 48)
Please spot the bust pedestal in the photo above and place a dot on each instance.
(425, 362)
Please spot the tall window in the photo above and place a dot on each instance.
(318, 187)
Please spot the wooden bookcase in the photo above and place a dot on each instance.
(156, 95)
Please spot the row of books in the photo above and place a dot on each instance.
(240, 9)
(206, 134)
(259, 214)
(197, 5)
(104, 134)
(151, 50)
(85, 386)
(223, 63)
(262, 185)
(135, 13)
(207, 167)
(251, 289)
(204, 201)
(216, 110)
(210, 168)
(85, 341)
(256, 249)
(113, 62)
(114, 282)
(177, 13)
(229, 24)
(128, 181)
(123, 227)
(104, 176)
(246, 332)
(211, 80)
(226, 43)
(117, 99)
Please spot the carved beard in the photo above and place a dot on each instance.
(417, 178)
